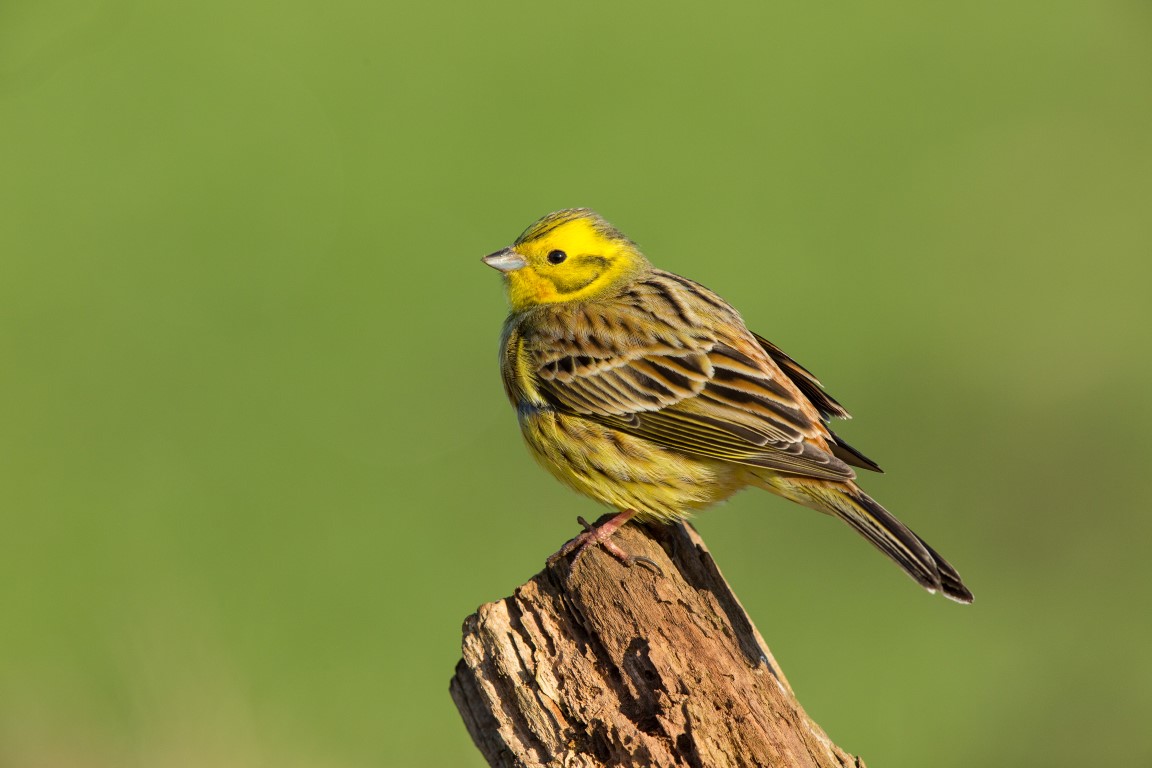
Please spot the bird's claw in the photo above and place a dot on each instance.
(602, 535)
(647, 562)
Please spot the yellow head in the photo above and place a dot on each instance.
(570, 255)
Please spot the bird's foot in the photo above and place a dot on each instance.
(601, 536)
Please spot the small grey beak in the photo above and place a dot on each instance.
(506, 260)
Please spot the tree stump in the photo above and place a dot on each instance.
(593, 664)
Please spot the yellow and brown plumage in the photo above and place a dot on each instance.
(645, 391)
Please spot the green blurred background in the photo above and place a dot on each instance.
(256, 465)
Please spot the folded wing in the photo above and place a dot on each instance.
(671, 362)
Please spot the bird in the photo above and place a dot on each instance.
(646, 392)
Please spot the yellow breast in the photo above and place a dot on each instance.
(622, 471)
(612, 467)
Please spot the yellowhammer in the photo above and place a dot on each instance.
(644, 390)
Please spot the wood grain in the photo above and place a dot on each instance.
(593, 664)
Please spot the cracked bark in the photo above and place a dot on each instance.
(593, 664)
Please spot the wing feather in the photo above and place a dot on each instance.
(805, 381)
(706, 387)
(811, 388)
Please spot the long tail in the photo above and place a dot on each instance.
(888, 534)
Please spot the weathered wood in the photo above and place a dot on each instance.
(595, 664)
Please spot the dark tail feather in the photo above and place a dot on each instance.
(896, 540)
(950, 583)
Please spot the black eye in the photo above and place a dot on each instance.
(555, 257)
